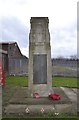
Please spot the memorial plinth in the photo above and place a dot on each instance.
(40, 74)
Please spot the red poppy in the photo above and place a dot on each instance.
(54, 96)
(36, 95)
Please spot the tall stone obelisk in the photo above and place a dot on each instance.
(40, 74)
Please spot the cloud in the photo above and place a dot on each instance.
(25, 51)
(61, 12)
(64, 41)
(62, 22)
(14, 30)
(13, 2)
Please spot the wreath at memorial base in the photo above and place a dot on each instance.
(53, 96)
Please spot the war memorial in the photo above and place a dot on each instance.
(23, 103)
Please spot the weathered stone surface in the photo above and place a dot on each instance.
(70, 94)
(40, 68)
(66, 108)
(21, 97)
(22, 106)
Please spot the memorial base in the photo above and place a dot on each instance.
(42, 89)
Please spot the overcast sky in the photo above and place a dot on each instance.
(15, 23)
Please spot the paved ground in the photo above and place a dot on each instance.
(22, 106)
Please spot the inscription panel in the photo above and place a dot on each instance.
(40, 69)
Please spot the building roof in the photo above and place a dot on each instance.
(8, 42)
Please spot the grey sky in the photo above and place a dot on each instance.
(15, 22)
(13, 29)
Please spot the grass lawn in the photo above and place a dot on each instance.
(56, 81)
(64, 82)
(17, 80)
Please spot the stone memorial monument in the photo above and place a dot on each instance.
(40, 74)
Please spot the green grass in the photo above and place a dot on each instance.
(12, 83)
(17, 80)
(64, 82)
(56, 81)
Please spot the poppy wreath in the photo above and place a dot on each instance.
(54, 96)
(36, 95)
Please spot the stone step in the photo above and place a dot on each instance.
(20, 97)
(70, 93)
(31, 110)
(75, 90)
(33, 107)
(25, 109)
